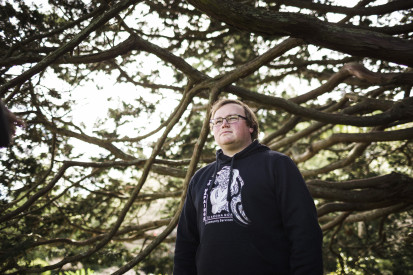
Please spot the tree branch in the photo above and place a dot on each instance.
(389, 7)
(337, 37)
(77, 39)
(373, 136)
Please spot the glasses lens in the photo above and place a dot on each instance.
(232, 119)
(218, 121)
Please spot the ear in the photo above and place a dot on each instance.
(251, 130)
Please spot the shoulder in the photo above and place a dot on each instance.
(276, 156)
(203, 173)
(205, 169)
(199, 179)
(279, 160)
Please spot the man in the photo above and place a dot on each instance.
(250, 211)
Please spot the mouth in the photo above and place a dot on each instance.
(226, 132)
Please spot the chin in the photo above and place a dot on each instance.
(226, 141)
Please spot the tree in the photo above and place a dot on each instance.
(331, 85)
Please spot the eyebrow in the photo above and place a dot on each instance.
(226, 116)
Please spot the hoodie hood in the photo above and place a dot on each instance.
(253, 148)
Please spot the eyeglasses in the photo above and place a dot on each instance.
(230, 119)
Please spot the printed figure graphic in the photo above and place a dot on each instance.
(219, 195)
(219, 198)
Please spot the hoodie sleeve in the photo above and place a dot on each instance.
(187, 238)
(299, 219)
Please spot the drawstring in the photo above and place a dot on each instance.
(230, 181)
(215, 177)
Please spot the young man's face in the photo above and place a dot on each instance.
(232, 138)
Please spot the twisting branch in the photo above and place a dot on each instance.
(383, 181)
(332, 207)
(373, 136)
(379, 9)
(253, 65)
(36, 196)
(69, 46)
(137, 229)
(357, 150)
(343, 38)
(69, 25)
(360, 72)
(307, 131)
(337, 221)
(377, 213)
(381, 192)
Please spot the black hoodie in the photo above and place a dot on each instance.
(261, 221)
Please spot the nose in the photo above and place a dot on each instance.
(225, 123)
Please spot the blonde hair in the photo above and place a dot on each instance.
(251, 120)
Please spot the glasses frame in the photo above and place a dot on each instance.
(214, 124)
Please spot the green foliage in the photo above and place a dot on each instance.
(374, 247)
(40, 262)
(160, 261)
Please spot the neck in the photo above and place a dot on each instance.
(231, 151)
